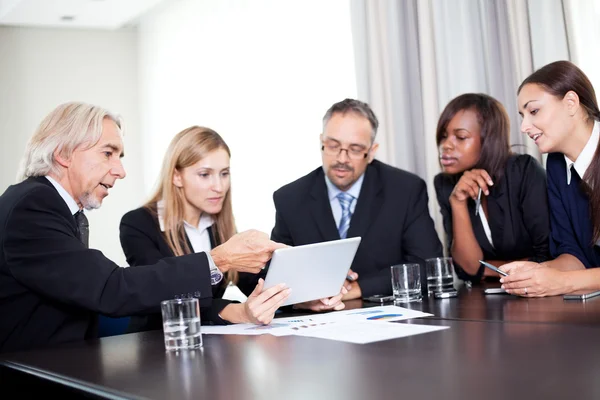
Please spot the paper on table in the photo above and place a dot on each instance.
(275, 328)
(367, 332)
(294, 325)
(381, 313)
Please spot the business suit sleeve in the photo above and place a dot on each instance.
(280, 232)
(419, 242)
(247, 282)
(534, 203)
(443, 189)
(137, 240)
(43, 254)
(562, 237)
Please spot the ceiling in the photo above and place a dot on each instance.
(89, 14)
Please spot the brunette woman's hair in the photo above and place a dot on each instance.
(494, 127)
(559, 78)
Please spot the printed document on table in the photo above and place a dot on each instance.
(275, 328)
(295, 325)
(367, 332)
(279, 327)
(381, 313)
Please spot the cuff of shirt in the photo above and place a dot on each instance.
(213, 267)
(211, 262)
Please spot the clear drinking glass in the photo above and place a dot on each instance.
(406, 283)
(181, 324)
(439, 274)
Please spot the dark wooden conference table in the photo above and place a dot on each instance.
(497, 347)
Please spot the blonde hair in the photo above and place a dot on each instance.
(67, 127)
(187, 148)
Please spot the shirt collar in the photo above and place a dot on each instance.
(333, 191)
(71, 203)
(206, 220)
(587, 154)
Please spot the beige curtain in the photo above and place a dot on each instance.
(413, 56)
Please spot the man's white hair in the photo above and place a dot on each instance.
(67, 127)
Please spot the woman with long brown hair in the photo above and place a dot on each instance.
(190, 211)
(511, 222)
(561, 115)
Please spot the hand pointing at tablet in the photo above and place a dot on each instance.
(247, 251)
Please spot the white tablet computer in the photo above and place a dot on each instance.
(312, 271)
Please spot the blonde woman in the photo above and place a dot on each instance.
(191, 212)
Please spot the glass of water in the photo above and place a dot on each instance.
(439, 275)
(181, 324)
(406, 283)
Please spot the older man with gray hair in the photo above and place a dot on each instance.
(52, 286)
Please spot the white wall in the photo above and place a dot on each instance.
(41, 68)
(260, 72)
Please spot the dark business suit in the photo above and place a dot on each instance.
(570, 220)
(144, 243)
(391, 217)
(52, 287)
(517, 214)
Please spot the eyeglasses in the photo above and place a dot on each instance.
(335, 148)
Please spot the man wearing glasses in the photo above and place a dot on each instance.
(352, 195)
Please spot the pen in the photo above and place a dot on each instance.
(490, 266)
(478, 202)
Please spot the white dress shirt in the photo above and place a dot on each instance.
(587, 154)
(71, 203)
(198, 236)
(585, 157)
(333, 191)
(486, 225)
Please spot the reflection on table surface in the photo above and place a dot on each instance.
(543, 349)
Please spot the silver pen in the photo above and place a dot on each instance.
(478, 203)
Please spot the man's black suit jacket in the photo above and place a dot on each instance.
(391, 217)
(144, 243)
(52, 287)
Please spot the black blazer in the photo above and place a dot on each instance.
(143, 243)
(572, 230)
(517, 214)
(391, 216)
(52, 287)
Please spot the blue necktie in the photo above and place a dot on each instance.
(345, 200)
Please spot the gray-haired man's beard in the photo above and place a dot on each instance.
(90, 202)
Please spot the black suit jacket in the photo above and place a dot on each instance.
(391, 216)
(144, 243)
(52, 287)
(517, 214)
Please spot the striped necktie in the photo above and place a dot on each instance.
(345, 200)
